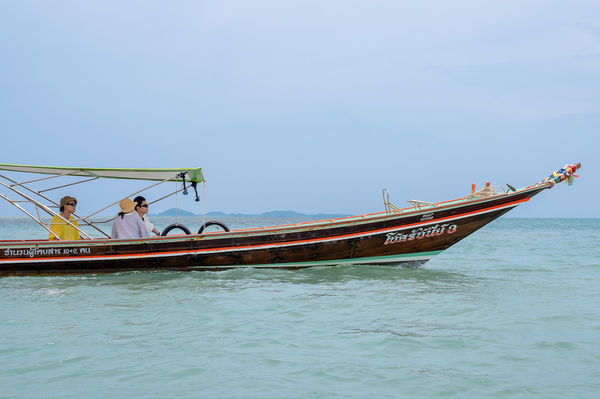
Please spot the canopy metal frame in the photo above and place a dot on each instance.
(39, 200)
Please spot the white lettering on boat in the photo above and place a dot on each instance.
(420, 233)
(427, 216)
(33, 252)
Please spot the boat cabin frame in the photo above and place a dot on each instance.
(49, 206)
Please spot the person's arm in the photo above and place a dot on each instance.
(113, 233)
(151, 226)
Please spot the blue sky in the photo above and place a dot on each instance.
(312, 106)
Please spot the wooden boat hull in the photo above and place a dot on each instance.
(409, 237)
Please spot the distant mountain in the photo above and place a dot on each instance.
(271, 214)
(282, 214)
(275, 214)
(293, 214)
(174, 212)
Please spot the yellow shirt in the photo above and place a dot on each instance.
(64, 230)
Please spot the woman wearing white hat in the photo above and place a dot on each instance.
(128, 224)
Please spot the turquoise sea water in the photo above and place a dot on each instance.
(511, 311)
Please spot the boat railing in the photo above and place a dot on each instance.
(389, 207)
(421, 204)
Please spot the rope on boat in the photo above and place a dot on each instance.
(176, 202)
(487, 191)
(203, 203)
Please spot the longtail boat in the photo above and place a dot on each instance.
(410, 235)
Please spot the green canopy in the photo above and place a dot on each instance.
(193, 174)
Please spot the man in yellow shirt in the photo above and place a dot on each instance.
(61, 228)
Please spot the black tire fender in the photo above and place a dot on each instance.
(175, 226)
(205, 225)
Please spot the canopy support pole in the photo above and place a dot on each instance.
(19, 207)
(132, 194)
(43, 207)
(67, 185)
(52, 201)
(203, 203)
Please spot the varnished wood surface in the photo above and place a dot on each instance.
(287, 247)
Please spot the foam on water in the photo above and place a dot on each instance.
(511, 311)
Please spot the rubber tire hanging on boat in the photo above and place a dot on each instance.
(205, 225)
(175, 226)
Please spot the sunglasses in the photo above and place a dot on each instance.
(71, 203)
(145, 205)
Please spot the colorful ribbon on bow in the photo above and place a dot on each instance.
(567, 173)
